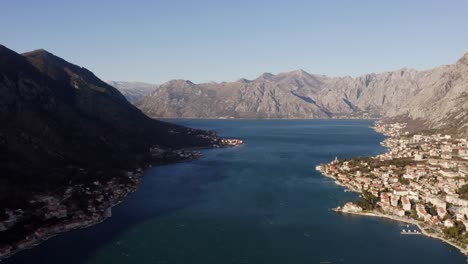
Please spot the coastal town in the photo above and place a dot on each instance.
(420, 180)
(79, 205)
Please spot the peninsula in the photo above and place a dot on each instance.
(420, 180)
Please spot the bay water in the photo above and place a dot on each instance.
(262, 202)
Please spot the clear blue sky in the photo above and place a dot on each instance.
(216, 40)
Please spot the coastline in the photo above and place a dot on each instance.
(89, 222)
(137, 175)
(405, 220)
(85, 223)
(374, 213)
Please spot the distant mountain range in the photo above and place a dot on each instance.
(62, 124)
(133, 91)
(435, 98)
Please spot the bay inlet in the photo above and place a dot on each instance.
(262, 202)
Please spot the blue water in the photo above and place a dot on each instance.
(262, 202)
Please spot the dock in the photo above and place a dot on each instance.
(410, 232)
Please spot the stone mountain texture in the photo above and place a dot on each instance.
(436, 98)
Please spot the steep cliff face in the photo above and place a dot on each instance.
(442, 103)
(61, 123)
(269, 96)
(436, 97)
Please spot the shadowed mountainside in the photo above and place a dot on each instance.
(62, 124)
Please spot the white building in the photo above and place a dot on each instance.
(418, 156)
(406, 203)
(352, 208)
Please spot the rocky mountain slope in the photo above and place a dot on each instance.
(61, 124)
(133, 91)
(436, 97)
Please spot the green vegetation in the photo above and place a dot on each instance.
(403, 180)
(463, 192)
(368, 201)
(414, 214)
(457, 232)
(431, 209)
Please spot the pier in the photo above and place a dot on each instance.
(410, 232)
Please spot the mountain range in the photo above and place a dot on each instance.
(433, 99)
(62, 124)
(133, 91)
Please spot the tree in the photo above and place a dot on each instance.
(457, 232)
(414, 214)
(403, 180)
(431, 209)
(368, 201)
(463, 191)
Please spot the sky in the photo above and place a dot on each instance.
(216, 40)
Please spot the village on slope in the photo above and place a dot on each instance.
(80, 205)
(420, 180)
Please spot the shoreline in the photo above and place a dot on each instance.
(349, 187)
(86, 223)
(408, 221)
(106, 213)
